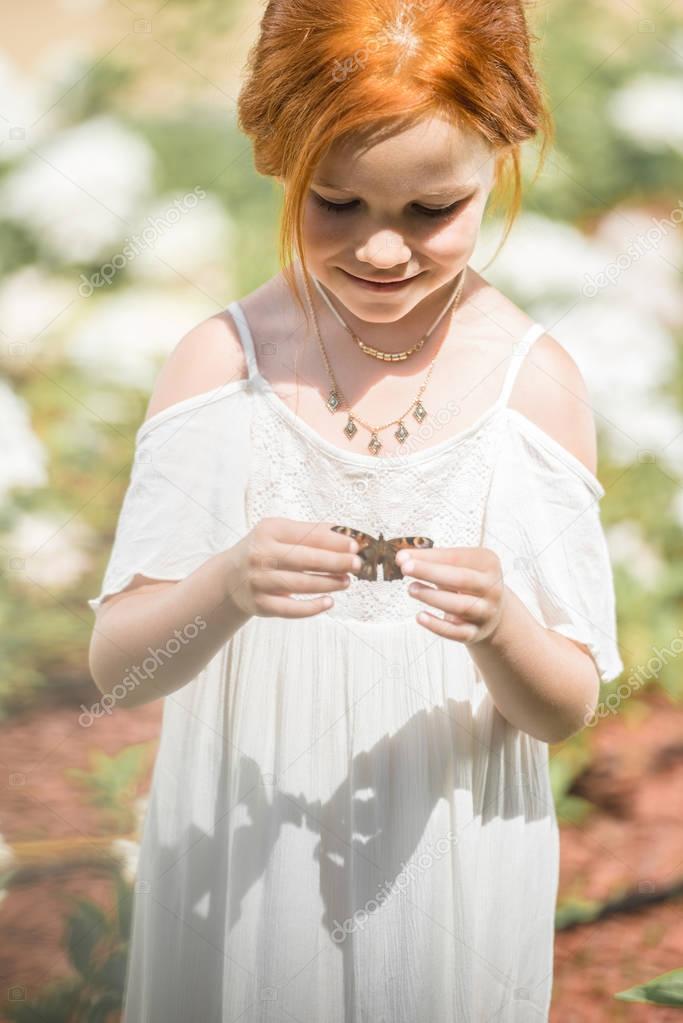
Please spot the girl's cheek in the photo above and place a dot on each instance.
(320, 230)
(458, 237)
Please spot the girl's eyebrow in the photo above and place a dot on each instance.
(446, 190)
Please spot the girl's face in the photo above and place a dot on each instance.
(409, 207)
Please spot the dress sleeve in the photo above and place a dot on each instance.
(185, 500)
(543, 521)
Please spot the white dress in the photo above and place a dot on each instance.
(342, 828)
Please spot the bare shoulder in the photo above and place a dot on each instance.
(549, 389)
(208, 355)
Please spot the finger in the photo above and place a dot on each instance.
(302, 558)
(299, 582)
(447, 577)
(477, 559)
(462, 632)
(314, 534)
(288, 607)
(463, 605)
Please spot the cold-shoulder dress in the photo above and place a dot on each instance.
(342, 827)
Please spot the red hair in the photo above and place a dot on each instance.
(323, 70)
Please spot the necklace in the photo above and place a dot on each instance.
(336, 399)
(377, 353)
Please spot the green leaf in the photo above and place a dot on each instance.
(83, 929)
(576, 911)
(98, 1011)
(124, 906)
(111, 782)
(573, 810)
(667, 989)
(112, 974)
(61, 1001)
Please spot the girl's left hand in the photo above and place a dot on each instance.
(467, 586)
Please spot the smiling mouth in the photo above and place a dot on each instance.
(382, 280)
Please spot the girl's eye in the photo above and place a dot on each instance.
(333, 207)
(442, 211)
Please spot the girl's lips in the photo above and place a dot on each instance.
(382, 285)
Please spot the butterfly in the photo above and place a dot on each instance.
(376, 551)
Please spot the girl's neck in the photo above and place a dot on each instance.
(395, 336)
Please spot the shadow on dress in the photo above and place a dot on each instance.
(365, 841)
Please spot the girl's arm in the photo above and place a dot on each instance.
(542, 682)
(153, 639)
(195, 616)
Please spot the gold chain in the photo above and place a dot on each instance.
(376, 353)
(336, 399)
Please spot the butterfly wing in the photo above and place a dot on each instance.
(390, 568)
(367, 551)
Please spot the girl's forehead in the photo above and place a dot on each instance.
(430, 148)
(433, 159)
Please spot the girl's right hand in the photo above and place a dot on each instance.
(274, 560)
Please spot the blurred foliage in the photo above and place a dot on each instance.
(581, 71)
(96, 942)
(112, 783)
(566, 763)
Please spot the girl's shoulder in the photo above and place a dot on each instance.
(549, 390)
(209, 355)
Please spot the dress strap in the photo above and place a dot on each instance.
(519, 352)
(237, 313)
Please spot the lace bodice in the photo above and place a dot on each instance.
(438, 491)
(442, 498)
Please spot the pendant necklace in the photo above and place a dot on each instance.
(336, 400)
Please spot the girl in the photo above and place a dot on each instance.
(351, 818)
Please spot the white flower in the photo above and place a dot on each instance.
(6, 861)
(644, 253)
(127, 335)
(53, 552)
(6, 855)
(624, 356)
(541, 259)
(648, 110)
(80, 194)
(128, 852)
(628, 547)
(181, 234)
(25, 104)
(140, 805)
(676, 51)
(24, 459)
(605, 300)
(32, 301)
